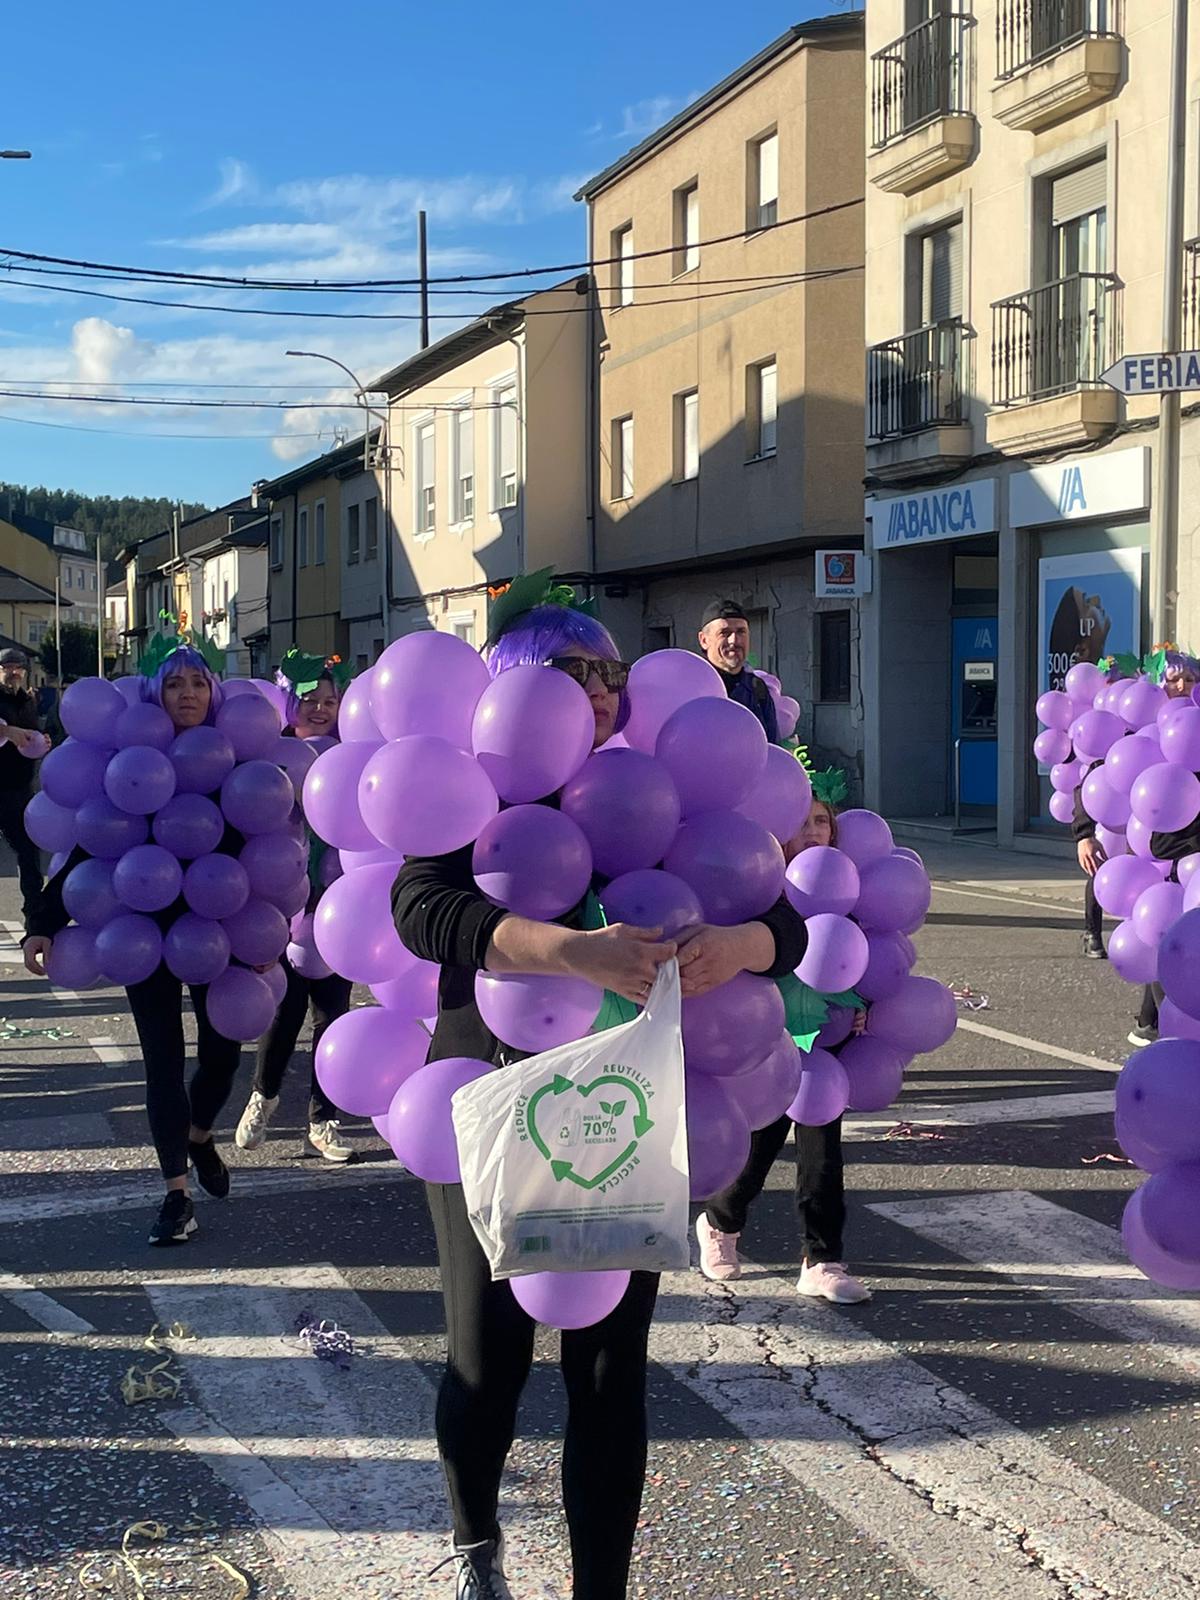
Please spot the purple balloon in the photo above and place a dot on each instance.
(569, 1299)
(836, 1027)
(147, 878)
(1187, 867)
(130, 688)
(864, 837)
(1155, 909)
(822, 879)
(203, 758)
(874, 1071)
(533, 860)
(765, 1094)
(1180, 738)
(1130, 958)
(355, 722)
(1176, 1024)
(1052, 745)
(1084, 680)
(144, 724)
(128, 949)
(354, 929)
(428, 682)
(835, 957)
(1170, 1212)
(252, 726)
(1158, 1098)
(1179, 963)
(216, 886)
(275, 979)
(257, 797)
(895, 894)
(782, 798)
(1139, 839)
(718, 1135)
(1168, 712)
(381, 855)
(102, 829)
(1127, 760)
(302, 952)
(189, 825)
(533, 1012)
(1102, 802)
(139, 780)
(1165, 797)
(733, 865)
(1112, 841)
(1140, 702)
(364, 1057)
(1119, 882)
(1140, 1154)
(658, 685)
(533, 729)
(72, 772)
(424, 797)
(1158, 1265)
(88, 894)
(689, 742)
(331, 795)
(1095, 732)
(1066, 776)
(295, 756)
(889, 957)
(258, 933)
(239, 1004)
(824, 1091)
(89, 710)
(728, 1030)
(1062, 807)
(420, 1120)
(628, 807)
(652, 899)
(918, 1017)
(413, 994)
(195, 949)
(273, 862)
(72, 962)
(51, 826)
(1055, 710)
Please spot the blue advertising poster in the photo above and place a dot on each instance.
(1089, 606)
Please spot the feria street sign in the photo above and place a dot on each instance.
(1175, 373)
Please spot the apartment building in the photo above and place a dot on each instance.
(28, 569)
(75, 558)
(729, 377)
(1016, 193)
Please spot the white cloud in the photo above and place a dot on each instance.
(237, 183)
(104, 352)
(256, 236)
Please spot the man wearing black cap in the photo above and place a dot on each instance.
(18, 726)
(725, 640)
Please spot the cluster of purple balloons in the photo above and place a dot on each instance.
(1158, 1126)
(150, 808)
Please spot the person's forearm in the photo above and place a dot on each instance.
(757, 946)
(518, 944)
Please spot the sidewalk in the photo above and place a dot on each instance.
(1003, 871)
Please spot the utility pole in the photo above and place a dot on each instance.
(423, 265)
(99, 612)
(1165, 538)
(58, 632)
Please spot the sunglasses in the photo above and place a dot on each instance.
(614, 675)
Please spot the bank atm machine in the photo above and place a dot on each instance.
(973, 771)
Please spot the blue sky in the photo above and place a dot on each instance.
(296, 140)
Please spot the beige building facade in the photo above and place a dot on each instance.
(728, 395)
(1015, 228)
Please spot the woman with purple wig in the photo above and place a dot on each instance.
(442, 916)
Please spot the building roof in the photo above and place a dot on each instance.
(801, 33)
(38, 528)
(325, 466)
(14, 587)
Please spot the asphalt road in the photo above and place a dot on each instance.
(1013, 1416)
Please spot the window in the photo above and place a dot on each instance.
(352, 516)
(276, 542)
(462, 626)
(37, 631)
(302, 535)
(425, 453)
(319, 534)
(462, 470)
(622, 253)
(1078, 221)
(371, 518)
(687, 435)
(760, 410)
(941, 274)
(622, 458)
(833, 656)
(66, 577)
(93, 581)
(504, 446)
(686, 229)
(763, 209)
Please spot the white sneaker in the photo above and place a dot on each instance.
(829, 1280)
(718, 1251)
(324, 1137)
(252, 1129)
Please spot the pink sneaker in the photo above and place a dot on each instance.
(718, 1252)
(829, 1280)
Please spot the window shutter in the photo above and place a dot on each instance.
(1075, 194)
(942, 274)
(768, 170)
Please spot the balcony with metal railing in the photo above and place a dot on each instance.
(1049, 348)
(1055, 58)
(922, 104)
(918, 398)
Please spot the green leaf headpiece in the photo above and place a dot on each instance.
(830, 786)
(302, 672)
(509, 602)
(164, 645)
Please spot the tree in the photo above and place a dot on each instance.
(78, 652)
(115, 522)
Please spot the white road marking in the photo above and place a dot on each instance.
(44, 1310)
(1072, 1259)
(965, 889)
(111, 1053)
(1096, 1063)
(967, 1502)
(982, 1113)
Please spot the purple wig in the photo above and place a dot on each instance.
(549, 631)
(185, 656)
(1179, 661)
(291, 707)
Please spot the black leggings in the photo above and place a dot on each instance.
(489, 1352)
(330, 998)
(12, 829)
(820, 1191)
(172, 1107)
(1093, 914)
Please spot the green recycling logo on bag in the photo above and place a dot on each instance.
(588, 1132)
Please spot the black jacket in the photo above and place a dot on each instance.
(1082, 825)
(442, 916)
(17, 772)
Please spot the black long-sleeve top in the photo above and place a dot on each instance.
(441, 916)
(17, 771)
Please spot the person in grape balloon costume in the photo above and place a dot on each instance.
(725, 640)
(442, 916)
(180, 678)
(314, 687)
(21, 743)
(820, 1188)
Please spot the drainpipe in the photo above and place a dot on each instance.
(517, 340)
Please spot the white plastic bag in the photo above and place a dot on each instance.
(576, 1160)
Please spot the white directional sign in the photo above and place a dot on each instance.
(1153, 374)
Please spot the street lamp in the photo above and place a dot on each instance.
(360, 395)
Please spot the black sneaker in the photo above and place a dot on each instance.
(1142, 1035)
(480, 1574)
(176, 1219)
(1092, 946)
(210, 1169)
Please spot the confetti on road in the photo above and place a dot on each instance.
(125, 1572)
(969, 1000)
(12, 1030)
(327, 1340)
(150, 1383)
